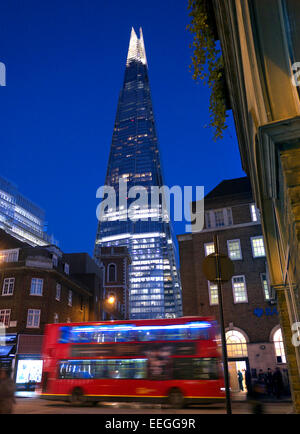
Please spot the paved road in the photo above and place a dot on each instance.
(40, 406)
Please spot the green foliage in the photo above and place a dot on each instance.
(207, 64)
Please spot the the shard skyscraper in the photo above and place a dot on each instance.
(155, 289)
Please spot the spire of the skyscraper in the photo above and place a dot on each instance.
(136, 51)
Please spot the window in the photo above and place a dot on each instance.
(265, 285)
(67, 268)
(55, 260)
(218, 218)
(209, 248)
(255, 216)
(112, 273)
(55, 319)
(258, 248)
(97, 369)
(236, 344)
(234, 249)
(239, 289)
(33, 318)
(213, 293)
(195, 369)
(70, 297)
(279, 348)
(5, 317)
(8, 286)
(36, 286)
(58, 292)
(11, 255)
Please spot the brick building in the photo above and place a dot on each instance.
(251, 318)
(40, 285)
(115, 262)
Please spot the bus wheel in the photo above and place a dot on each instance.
(175, 398)
(77, 396)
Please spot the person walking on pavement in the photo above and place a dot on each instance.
(240, 378)
(269, 381)
(278, 383)
(7, 392)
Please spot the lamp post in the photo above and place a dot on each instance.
(219, 268)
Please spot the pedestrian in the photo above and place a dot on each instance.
(248, 380)
(278, 383)
(261, 377)
(240, 378)
(269, 381)
(7, 392)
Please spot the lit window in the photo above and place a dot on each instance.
(33, 318)
(8, 286)
(209, 248)
(265, 285)
(239, 289)
(236, 344)
(67, 268)
(70, 296)
(36, 286)
(258, 248)
(10, 255)
(58, 291)
(279, 348)
(5, 317)
(234, 249)
(254, 213)
(213, 293)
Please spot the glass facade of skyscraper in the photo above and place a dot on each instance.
(155, 290)
(21, 218)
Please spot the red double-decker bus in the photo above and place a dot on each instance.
(174, 361)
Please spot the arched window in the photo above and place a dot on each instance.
(112, 273)
(236, 344)
(279, 348)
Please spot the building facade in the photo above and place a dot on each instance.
(115, 262)
(21, 218)
(135, 165)
(41, 285)
(253, 332)
(260, 43)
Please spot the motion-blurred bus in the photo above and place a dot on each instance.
(173, 361)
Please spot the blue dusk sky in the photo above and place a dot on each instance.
(65, 62)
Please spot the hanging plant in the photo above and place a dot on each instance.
(207, 63)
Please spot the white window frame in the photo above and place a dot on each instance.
(208, 246)
(33, 288)
(9, 255)
(6, 313)
(233, 289)
(8, 286)
(210, 218)
(210, 284)
(70, 298)
(240, 250)
(253, 248)
(35, 313)
(57, 291)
